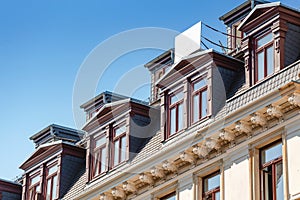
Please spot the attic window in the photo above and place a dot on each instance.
(199, 100)
(34, 186)
(99, 156)
(264, 57)
(51, 181)
(119, 145)
(175, 113)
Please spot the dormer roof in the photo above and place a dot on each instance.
(240, 10)
(104, 97)
(109, 110)
(56, 132)
(44, 151)
(196, 60)
(259, 9)
(161, 59)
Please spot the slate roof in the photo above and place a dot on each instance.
(78, 184)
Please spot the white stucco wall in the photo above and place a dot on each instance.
(236, 177)
(293, 158)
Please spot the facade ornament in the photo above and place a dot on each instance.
(226, 135)
(157, 172)
(129, 187)
(242, 127)
(202, 151)
(274, 111)
(145, 178)
(186, 157)
(168, 166)
(213, 144)
(294, 99)
(106, 197)
(258, 119)
(118, 193)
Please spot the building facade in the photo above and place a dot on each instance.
(218, 125)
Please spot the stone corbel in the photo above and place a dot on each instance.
(294, 99)
(202, 151)
(243, 127)
(186, 157)
(157, 172)
(212, 144)
(275, 111)
(118, 193)
(168, 166)
(129, 187)
(145, 178)
(106, 197)
(226, 135)
(258, 119)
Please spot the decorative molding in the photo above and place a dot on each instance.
(157, 172)
(129, 187)
(226, 135)
(212, 144)
(145, 178)
(118, 193)
(243, 127)
(258, 119)
(106, 197)
(294, 99)
(274, 111)
(186, 157)
(202, 151)
(168, 166)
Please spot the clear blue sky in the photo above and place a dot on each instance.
(43, 43)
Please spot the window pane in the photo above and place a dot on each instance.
(177, 97)
(270, 60)
(52, 170)
(200, 84)
(116, 153)
(173, 121)
(211, 183)
(103, 160)
(35, 180)
(217, 196)
(48, 192)
(204, 104)
(172, 197)
(120, 130)
(267, 183)
(100, 142)
(266, 39)
(37, 188)
(54, 187)
(279, 182)
(195, 108)
(123, 149)
(271, 153)
(180, 117)
(260, 66)
(96, 163)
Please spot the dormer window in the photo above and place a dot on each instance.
(264, 57)
(34, 186)
(119, 145)
(175, 112)
(199, 100)
(51, 181)
(99, 156)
